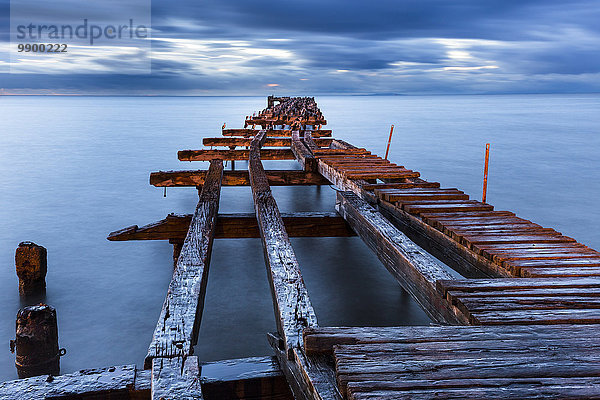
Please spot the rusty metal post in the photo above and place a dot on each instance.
(31, 265)
(36, 342)
(485, 171)
(389, 142)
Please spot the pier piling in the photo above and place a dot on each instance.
(31, 264)
(36, 342)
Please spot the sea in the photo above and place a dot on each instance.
(76, 168)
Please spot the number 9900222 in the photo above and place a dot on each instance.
(41, 48)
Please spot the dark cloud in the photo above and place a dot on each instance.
(351, 46)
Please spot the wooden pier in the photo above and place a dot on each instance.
(520, 323)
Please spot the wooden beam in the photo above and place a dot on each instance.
(238, 226)
(415, 269)
(264, 122)
(236, 178)
(302, 153)
(118, 382)
(245, 142)
(235, 155)
(176, 379)
(293, 310)
(177, 329)
(317, 133)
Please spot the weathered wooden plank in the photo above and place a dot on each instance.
(529, 303)
(559, 272)
(269, 142)
(302, 153)
(176, 379)
(262, 121)
(382, 175)
(529, 292)
(317, 133)
(575, 391)
(484, 285)
(382, 186)
(443, 206)
(322, 340)
(573, 260)
(235, 155)
(416, 270)
(239, 225)
(177, 329)
(554, 316)
(473, 384)
(236, 178)
(293, 310)
(118, 382)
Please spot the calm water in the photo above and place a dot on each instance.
(74, 169)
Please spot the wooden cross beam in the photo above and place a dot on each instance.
(237, 226)
(245, 142)
(233, 155)
(118, 382)
(236, 178)
(317, 133)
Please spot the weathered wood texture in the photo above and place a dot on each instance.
(176, 379)
(236, 178)
(244, 379)
(302, 153)
(317, 133)
(416, 270)
(245, 142)
(525, 301)
(115, 383)
(310, 378)
(238, 226)
(31, 263)
(177, 328)
(462, 362)
(236, 155)
(293, 310)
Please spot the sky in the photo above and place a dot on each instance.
(241, 47)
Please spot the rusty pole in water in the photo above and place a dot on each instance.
(36, 342)
(389, 142)
(485, 171)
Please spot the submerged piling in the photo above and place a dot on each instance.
(31, 264)
(36, 342)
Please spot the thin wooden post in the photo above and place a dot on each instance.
(36, 342)
(31, 265)
(389, 142)
(485, 171)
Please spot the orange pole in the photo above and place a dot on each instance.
(389, 142)
(485, 171)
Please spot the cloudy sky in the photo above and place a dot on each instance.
(242, 47)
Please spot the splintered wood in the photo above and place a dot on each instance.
(177, 329)
(293, 310)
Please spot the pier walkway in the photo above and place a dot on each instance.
(520, 323)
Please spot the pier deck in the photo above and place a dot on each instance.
(538, 288)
